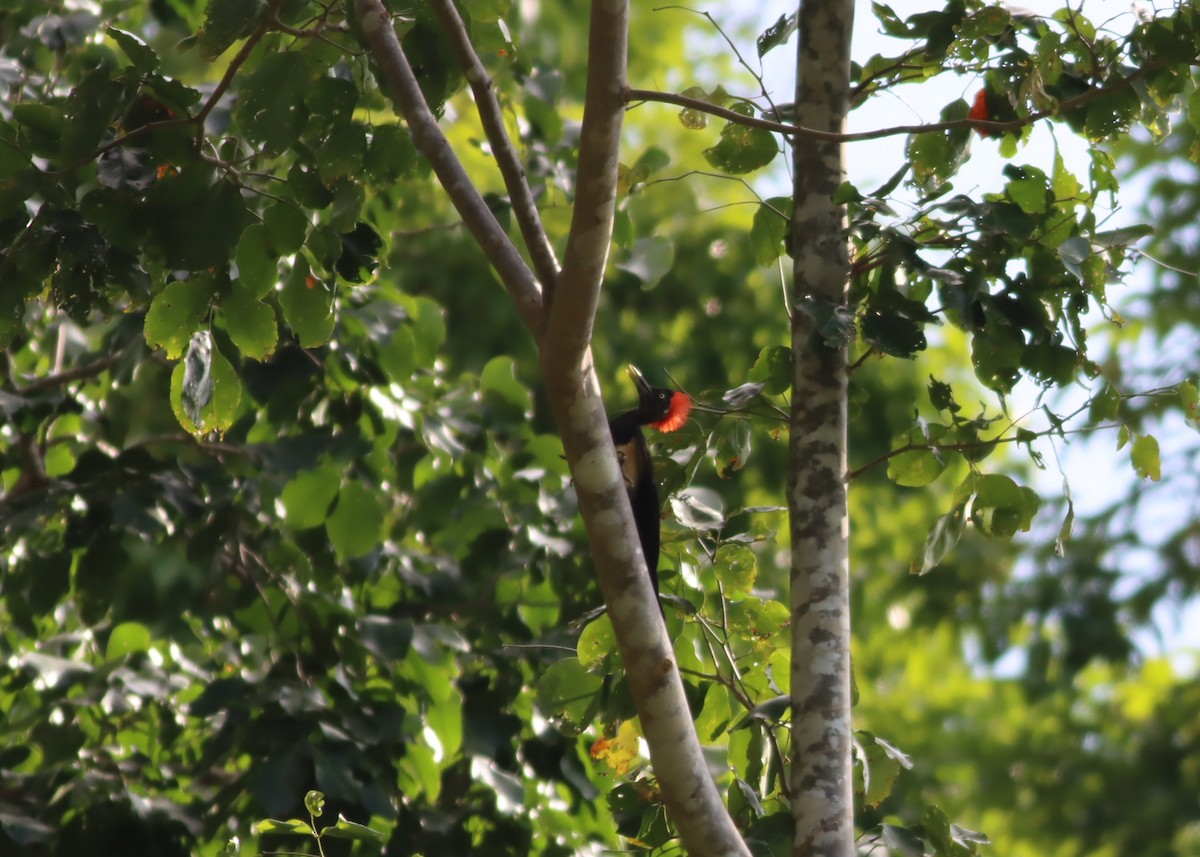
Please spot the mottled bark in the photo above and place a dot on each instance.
(821, 776)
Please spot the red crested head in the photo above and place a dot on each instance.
(677, 413)
(661, 407)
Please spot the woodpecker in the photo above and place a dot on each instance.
(666, 410)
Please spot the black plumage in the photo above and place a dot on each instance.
(666, 410)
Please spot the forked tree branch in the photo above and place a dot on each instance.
(520, 281)
(694, 805)
(513, 172)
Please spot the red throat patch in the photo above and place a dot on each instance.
(677, 413)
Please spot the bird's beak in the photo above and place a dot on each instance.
(639, 379)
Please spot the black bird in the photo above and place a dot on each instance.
(666, 410)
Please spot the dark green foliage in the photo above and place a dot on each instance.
(281, 510)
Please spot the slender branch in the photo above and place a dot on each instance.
(524, 209)
(861, 359)
(987, 126)
(522, 286)
(236, 63)
(968, 445)
(89, 370)
(198, 119)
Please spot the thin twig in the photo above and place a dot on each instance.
(89, 370)
(963, 447)
(988, 126)
(239, 58)
(520, 281)
(541, 252)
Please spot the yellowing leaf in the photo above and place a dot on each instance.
(621, 752)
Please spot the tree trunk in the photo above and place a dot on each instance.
(821, 776)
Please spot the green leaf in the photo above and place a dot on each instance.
(225, 22)
(1119, 239)
(736, 568)
(777, 34)
(249, 323)
(499, 381)
(1000, 508)
(175, 313)
(1112, 113)
(92, 109)
(306, 498)
(1029, 193)
(941, 396)
(387, 638)
(1144, 454)
(428, 329)
(917, 467)
(128, 638)
(307, 305)
(732, 447)
(143, 57)
(770, 228)
(342, 153)
(892, 333)
(774, 368)
(901, 840)
(285, 227)
(356, 526)
(597, 647)
(46, 119)
(936, 156)
(195, 224)
(270, 107)
(274, 825)
(352, 830)
(1189, 400)
(314, 802)
(391, 154)
(997, 357)
(714, 718)
(881, 770)
(941, 540)
(1064, 184)
(742, 149)
(566, 690)
(689, 117)
(307, 187)
(257, 268)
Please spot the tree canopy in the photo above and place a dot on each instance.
(291, 542)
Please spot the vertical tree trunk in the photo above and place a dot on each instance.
(821, 776)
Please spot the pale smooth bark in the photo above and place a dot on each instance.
(822, 774)
(561, 320)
